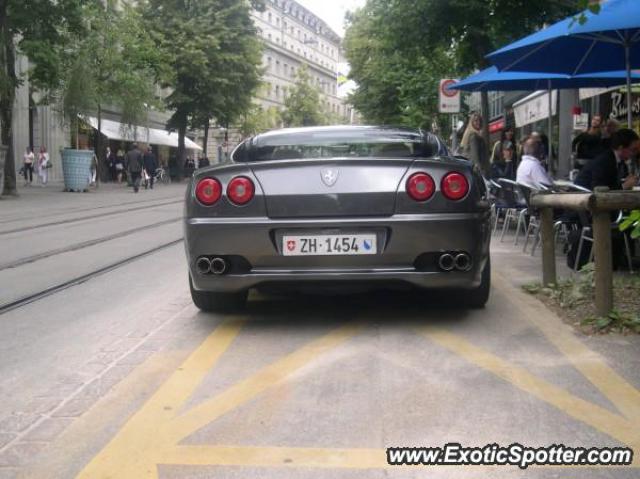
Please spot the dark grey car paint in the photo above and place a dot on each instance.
(368, 196)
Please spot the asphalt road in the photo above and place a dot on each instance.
(122, 377)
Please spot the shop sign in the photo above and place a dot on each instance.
(534, 108)
(497, 125)
(581, 121)
(619, 105)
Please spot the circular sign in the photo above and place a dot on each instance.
(448, 93)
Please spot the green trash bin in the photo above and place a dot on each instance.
(76, 168)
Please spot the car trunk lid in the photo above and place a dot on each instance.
(330, 188)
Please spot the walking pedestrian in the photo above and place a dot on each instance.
(43, 166)
(28, 160)
(120, 164)
(134, 163)
(150, 167)
(474, 146)
(111, 162)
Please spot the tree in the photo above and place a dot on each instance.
(114, 64)
(436, 38)
(214, 56)
(41, 30)
(302, 106)
(257, 120)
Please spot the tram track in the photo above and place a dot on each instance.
(83, 218)
(25, 300)
(93, 208)
(84, 244)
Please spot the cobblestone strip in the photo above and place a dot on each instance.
(26, 433)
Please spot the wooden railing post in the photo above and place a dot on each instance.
(548, 247)
(603, 259)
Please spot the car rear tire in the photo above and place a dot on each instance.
(211, 302)
(478, 297)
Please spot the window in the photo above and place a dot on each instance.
(269, 36)
(277, 91)
(269, 16)
(278, 66)
(278, 21)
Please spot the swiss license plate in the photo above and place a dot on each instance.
(329, 245)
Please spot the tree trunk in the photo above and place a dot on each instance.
(206, 138)
(182, 151)
(7, 98)
(103, 167)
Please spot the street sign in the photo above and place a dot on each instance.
(449, 99)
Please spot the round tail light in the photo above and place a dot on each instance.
(240, 190)
(208, 191)
(420, 186)
(455, 186)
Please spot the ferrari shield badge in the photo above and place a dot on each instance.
(329, 176)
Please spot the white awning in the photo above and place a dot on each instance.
(119, 131)
(535, 107)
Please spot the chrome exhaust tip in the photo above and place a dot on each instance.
(446, 262)
(218, 266)
(463, 262)
(203, 265)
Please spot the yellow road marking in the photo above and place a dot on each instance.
(590, 364)
(153, 435)
(270, 376)
(155, 429)
(613, 425)
(126, 455)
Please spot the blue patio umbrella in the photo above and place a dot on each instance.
(607, 41)
(491, 79)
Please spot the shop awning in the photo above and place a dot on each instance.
(153, 136)
(534, 107)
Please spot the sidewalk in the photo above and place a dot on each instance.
(37, 201)
(522, 267)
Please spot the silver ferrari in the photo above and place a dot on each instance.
(337, 207)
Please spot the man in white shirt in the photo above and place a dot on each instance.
(530, 171)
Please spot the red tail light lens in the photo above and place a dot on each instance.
(208, 191)
(420, 186)
(455, 186)
(240, 190)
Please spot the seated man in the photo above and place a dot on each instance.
(608, 167)
(530, 171)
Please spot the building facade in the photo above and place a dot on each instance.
(293, 37)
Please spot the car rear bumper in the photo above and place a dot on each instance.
(408, 251)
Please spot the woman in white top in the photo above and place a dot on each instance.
(43, 165)
(27, 160)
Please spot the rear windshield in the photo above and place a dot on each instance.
(405, 146)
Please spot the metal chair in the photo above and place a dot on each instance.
(586, 235)
(514, 204)
(533, 228)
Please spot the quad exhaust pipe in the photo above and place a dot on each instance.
(449, 262)
(446, 262)
(203, 265)
(218, 266)
(215, 266)
(463, 262)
